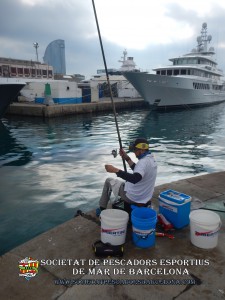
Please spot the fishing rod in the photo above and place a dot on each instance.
(219, 210)
(107, 77)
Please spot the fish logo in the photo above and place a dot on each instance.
(28, 268)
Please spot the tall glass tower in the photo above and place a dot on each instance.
(55, 56)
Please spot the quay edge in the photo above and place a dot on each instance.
(58, 110)
(74, 238)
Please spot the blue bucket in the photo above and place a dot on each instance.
(143, 223)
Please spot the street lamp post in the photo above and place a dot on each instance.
(36, 47)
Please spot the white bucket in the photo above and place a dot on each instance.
(204, 228)
(113, 226)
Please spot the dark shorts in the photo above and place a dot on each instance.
(128, 202)
(124, 197)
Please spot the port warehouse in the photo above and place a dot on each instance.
(24, 69)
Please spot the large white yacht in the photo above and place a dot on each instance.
(193, 79)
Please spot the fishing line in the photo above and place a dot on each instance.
(107, 77)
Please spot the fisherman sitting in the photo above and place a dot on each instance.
(138, 187)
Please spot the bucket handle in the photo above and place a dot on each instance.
(217, 229)
(220, 225)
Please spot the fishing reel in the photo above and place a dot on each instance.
(114, 153)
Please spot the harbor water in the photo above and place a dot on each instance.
(51, 168)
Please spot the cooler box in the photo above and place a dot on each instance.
(175, 207)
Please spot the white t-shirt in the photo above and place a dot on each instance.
(142, 191)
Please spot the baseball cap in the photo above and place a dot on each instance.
(140, 143)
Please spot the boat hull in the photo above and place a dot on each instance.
(169, 91)
(59, 92)
(61, 100)
(8, 92)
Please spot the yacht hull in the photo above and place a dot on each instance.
(8, 92)
(173, 91)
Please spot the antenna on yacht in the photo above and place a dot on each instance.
(107, 76)
(204, 39)
(124, 57)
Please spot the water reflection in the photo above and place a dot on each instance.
(12, 153)
(54, 167)
(183, 141)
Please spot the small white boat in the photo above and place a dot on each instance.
(192, 80)
(120, 86)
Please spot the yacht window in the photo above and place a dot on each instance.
(217, 87)
(176, 72)
(163, 72)
(158, 72)
(183, 71)
(202, 86)
(169, 72)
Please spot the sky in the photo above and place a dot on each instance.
(150, 31)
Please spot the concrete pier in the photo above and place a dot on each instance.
(57, 110)
(172, 269)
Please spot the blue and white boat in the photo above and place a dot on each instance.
(61, 92)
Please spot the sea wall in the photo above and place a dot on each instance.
(57, 110)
